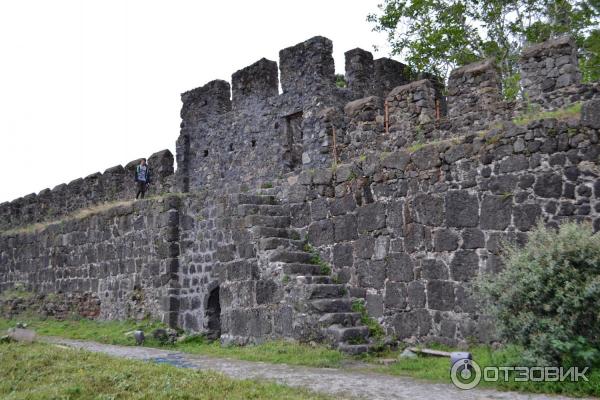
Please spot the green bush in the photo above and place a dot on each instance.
(547, 297)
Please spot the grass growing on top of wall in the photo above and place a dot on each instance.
(78, 214)
(113, 332)
(44, 371)
(84, 213)
(571, 111)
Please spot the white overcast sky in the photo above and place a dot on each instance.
(86, 85)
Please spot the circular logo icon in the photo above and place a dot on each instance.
(465, 374)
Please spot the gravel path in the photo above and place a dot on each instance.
(343, 383)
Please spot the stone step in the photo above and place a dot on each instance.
(353, 349)
(268, 232)
(245, 198)
(276, 242)
(263, 209)
(331, 305)
(339, 333)
(267, 220)
(288, 256)
(326, 291)
(341, 318)
(314, 279)
(301, 269)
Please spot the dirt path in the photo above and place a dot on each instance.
(340, 382)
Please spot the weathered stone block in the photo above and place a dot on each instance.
(318, 209)
(433, 269)
(395, 295)
(321, 232)
(396, 160)
(462, 209)
(371, 274)
(345, 227)
(428, 209)
(496, 212)
(440, 295)
(526, 216)
(416, 294)
(342, 205)
(371, 217)
(473, 238)
(400, 267)
(590, 114)
(342, 255)
(374, 305)
(445, 240)
(548, 185)
(464, 265)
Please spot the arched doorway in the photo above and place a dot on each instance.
(213, 315)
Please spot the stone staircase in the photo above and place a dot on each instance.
(314, 292)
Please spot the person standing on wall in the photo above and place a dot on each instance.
(142, 178)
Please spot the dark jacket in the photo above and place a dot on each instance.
(137, 172)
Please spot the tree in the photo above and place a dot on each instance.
(436, 36)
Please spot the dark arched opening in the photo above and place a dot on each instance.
(213, 315)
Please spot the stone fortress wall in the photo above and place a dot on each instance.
(404, 189)
(116, 183)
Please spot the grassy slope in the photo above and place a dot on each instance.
(428, 368)
(41, 371)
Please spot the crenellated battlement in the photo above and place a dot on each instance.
(115, 183)
(549, 67)
(256, 82)
(247, 132)
(474, 88)
(300, 127)
(210, 99)
(411, 104)
(307, 66)
(359, 71)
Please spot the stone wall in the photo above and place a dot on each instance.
(122, 257)
(116, 183)
(410, 231)
(406, 193)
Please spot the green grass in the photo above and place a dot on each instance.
(437, 369)
(16, 293)
(415, 147)
(277, 352)
(571, 111)
(44, 371)
(113, 332)
(281, 352)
